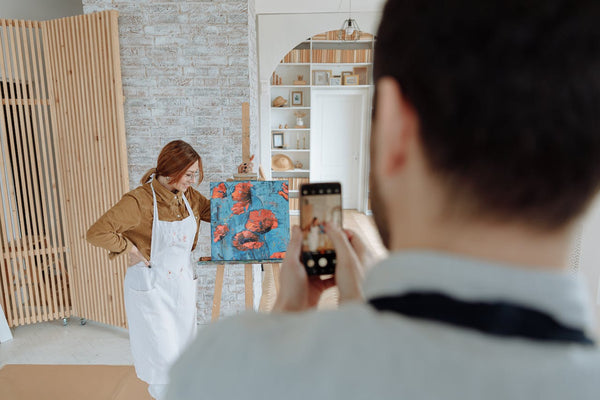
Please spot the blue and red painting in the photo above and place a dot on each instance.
(250, 220)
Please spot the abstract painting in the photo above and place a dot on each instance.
(249, 220)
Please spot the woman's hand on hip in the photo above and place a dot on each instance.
(135, 257)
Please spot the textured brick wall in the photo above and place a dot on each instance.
(187, 67)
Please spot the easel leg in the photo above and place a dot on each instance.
(216, 307)
(276, 277)
(248, 283)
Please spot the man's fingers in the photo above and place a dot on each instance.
(337, 236)
(295, 244)
(356, 240)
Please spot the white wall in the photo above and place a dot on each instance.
(39, 10)
(589, 260)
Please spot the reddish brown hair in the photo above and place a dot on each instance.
(174, 159)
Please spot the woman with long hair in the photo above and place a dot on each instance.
(157, 225)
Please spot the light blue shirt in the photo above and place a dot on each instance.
(356, 352)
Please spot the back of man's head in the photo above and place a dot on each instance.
(507, 93)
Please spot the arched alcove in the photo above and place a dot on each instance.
(319, 114)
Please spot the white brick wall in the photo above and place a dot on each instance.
(187, 66)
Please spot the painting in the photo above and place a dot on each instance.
(297, 98)
(249, 220)
(350, 80)
(362, 73)
(321, 77)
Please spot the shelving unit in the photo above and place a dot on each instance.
(314, 56)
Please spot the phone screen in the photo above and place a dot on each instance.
(320, 203)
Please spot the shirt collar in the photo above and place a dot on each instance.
(561, 294)
(165, 195)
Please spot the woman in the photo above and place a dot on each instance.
(157, 225)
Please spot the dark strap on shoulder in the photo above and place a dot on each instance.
(497, 318)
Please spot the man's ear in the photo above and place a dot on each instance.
(396, 127)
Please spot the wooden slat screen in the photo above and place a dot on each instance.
(85, 75)
(63, 162)
(33, 260)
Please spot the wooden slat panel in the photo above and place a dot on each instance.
(46, 162)
(21, 263)
(117, 143)
(57, 72)
(6, 217)
(63, 143)
(51, 62)
(99, 76)
(90, 127)
(33, 193)
(32, 262)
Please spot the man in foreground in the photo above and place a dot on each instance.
(485, 156)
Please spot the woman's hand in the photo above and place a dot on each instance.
(298, 291)
(136, 257)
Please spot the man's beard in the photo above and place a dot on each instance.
(379, 213)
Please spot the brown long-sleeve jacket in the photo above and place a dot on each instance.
(129, 222)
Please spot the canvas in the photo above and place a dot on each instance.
(249, 220)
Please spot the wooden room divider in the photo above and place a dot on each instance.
(63, 162)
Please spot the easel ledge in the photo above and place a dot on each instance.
(248, 281)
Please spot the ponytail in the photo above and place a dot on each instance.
(147, 175)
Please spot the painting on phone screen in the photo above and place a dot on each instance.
(249, 220)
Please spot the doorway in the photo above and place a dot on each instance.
(340, 121)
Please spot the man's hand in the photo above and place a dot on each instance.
(298, 291)
(352, 254)
(136, 257)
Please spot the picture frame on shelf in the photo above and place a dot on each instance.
(320, 77)
(345, 73)
(351, 80)
(362, 73)
(297, 98)
(278, 140)
(335, 80)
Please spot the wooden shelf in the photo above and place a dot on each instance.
(290, 108)
(289, 129)
(294, 64)
(340, 86)
(290, 150)
(292, 171)
(341, 41)
(289, 86)
(340, 63)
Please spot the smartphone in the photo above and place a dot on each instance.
(319, 203)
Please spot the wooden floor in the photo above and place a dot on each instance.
(353, 220)
(71, 382)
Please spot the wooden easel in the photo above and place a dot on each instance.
(248, 283)
(248, 276)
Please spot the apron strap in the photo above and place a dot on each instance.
(187, 205)
(493, 318)
(155, 208)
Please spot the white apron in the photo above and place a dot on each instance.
(161, 301)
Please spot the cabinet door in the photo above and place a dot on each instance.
(338, 142)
